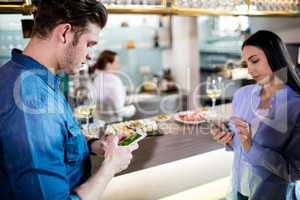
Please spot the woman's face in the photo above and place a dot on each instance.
(256, 62)
(114, 66)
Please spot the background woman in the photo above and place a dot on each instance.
(110, 91)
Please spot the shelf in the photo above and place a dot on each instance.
(206, 12)
(25, 8)
(166, 8)
(216, 52)
(274, 13)
(153, 10)
(194, 11)
(159, 10)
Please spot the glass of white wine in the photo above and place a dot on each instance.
(214, 89)
(85, 105)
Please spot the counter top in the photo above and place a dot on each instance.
(195, 176)
(177, 142)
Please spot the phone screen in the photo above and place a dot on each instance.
(224, 128)
(131, 139)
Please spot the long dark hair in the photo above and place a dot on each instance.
(104, 58)
(276, 53)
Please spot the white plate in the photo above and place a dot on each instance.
(178, 119)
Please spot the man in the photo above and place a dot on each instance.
(43, 154)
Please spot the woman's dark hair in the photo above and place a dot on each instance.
(78, 13)
(277, 55)
(105, 57)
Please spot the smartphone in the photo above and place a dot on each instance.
(134, 138)
(226, 127)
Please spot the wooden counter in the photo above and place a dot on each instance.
(177, 142)
(184, 142)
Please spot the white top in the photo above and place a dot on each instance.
(110, 95)
(246, 173)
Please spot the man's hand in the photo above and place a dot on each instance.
(117, 157)
(97, 147)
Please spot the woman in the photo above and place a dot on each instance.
(110, 92)
(265, 124)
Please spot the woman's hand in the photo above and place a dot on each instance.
(221, 136)
(243, 129)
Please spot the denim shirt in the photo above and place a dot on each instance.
(274, 158)
(43, 154)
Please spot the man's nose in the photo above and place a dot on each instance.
(88, 57)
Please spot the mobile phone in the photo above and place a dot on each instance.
(133, 138)
(226, 127)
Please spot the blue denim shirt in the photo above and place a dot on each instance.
(274, 158)
(43, 154)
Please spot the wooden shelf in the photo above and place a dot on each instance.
(153, 10)
(173, 9)
(27, 8)
(206, 12)
(274, 13)
(159, 10)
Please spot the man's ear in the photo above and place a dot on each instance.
(63, 33)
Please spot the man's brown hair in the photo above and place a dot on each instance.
(78, 13)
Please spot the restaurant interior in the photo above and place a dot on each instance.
(180, 64)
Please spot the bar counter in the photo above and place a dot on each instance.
(177, 141)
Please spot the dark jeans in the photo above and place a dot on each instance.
(241, 197)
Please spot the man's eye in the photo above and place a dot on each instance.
(91, 44)
(255, 61)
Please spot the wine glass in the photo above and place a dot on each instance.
(85, 103)
(214, 89)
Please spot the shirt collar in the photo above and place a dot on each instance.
(38, 69)
(257, 90)
(281, 95)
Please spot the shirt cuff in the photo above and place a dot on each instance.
(89, 143)
(73, 196)
(255, 155)
(228, 147)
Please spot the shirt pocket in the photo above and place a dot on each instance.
(75, 147)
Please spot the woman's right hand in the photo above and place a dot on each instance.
(117, 157)
(220, 135)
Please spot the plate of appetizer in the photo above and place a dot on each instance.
(190, 117)
(146, 125)
(162, 118)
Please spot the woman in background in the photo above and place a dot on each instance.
(110, 93)
(265, 124)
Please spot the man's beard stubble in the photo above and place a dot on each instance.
(69, 65)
